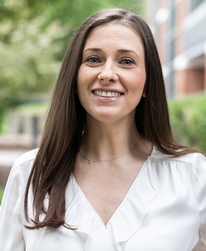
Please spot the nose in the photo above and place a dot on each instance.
(108, 73)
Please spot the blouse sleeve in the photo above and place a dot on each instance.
(199, 186)
(11, 235)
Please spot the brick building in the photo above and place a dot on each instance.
(179, 28)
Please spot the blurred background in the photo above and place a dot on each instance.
(179, 27)
(34, 36)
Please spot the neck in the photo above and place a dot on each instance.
(106, 142)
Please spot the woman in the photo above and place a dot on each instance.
(108, 174)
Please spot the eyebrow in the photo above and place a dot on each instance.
(119, 50)
(92, 49)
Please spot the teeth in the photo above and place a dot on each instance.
(107, 94)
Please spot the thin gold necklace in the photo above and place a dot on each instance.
(118, 157)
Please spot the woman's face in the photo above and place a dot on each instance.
(112, 74)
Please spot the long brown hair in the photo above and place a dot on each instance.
(66, 120)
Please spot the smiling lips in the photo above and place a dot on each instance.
(109, 94)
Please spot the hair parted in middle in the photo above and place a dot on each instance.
(66, 119)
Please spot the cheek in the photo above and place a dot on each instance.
(138, 82)
(84, 78)
(80, 86)
(80, 79)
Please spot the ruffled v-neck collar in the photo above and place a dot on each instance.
(125, 221)
(129, 217)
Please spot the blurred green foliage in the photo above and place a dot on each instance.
(34, 36)
(1, 193)
(3, 122)
(188, 120)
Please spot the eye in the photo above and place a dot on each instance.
(127, 61)
(93, 60)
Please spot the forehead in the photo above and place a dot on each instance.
(121, 34)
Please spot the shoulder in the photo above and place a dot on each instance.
(24, 163)
(190, 163)
(18, 177)
(26, 157)
(183, 172)
(192, 159)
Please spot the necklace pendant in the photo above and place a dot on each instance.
(90, 161)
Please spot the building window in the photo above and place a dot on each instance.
(196, 3)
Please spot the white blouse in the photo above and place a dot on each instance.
(164, 209)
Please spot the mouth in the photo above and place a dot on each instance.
(108, 94)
